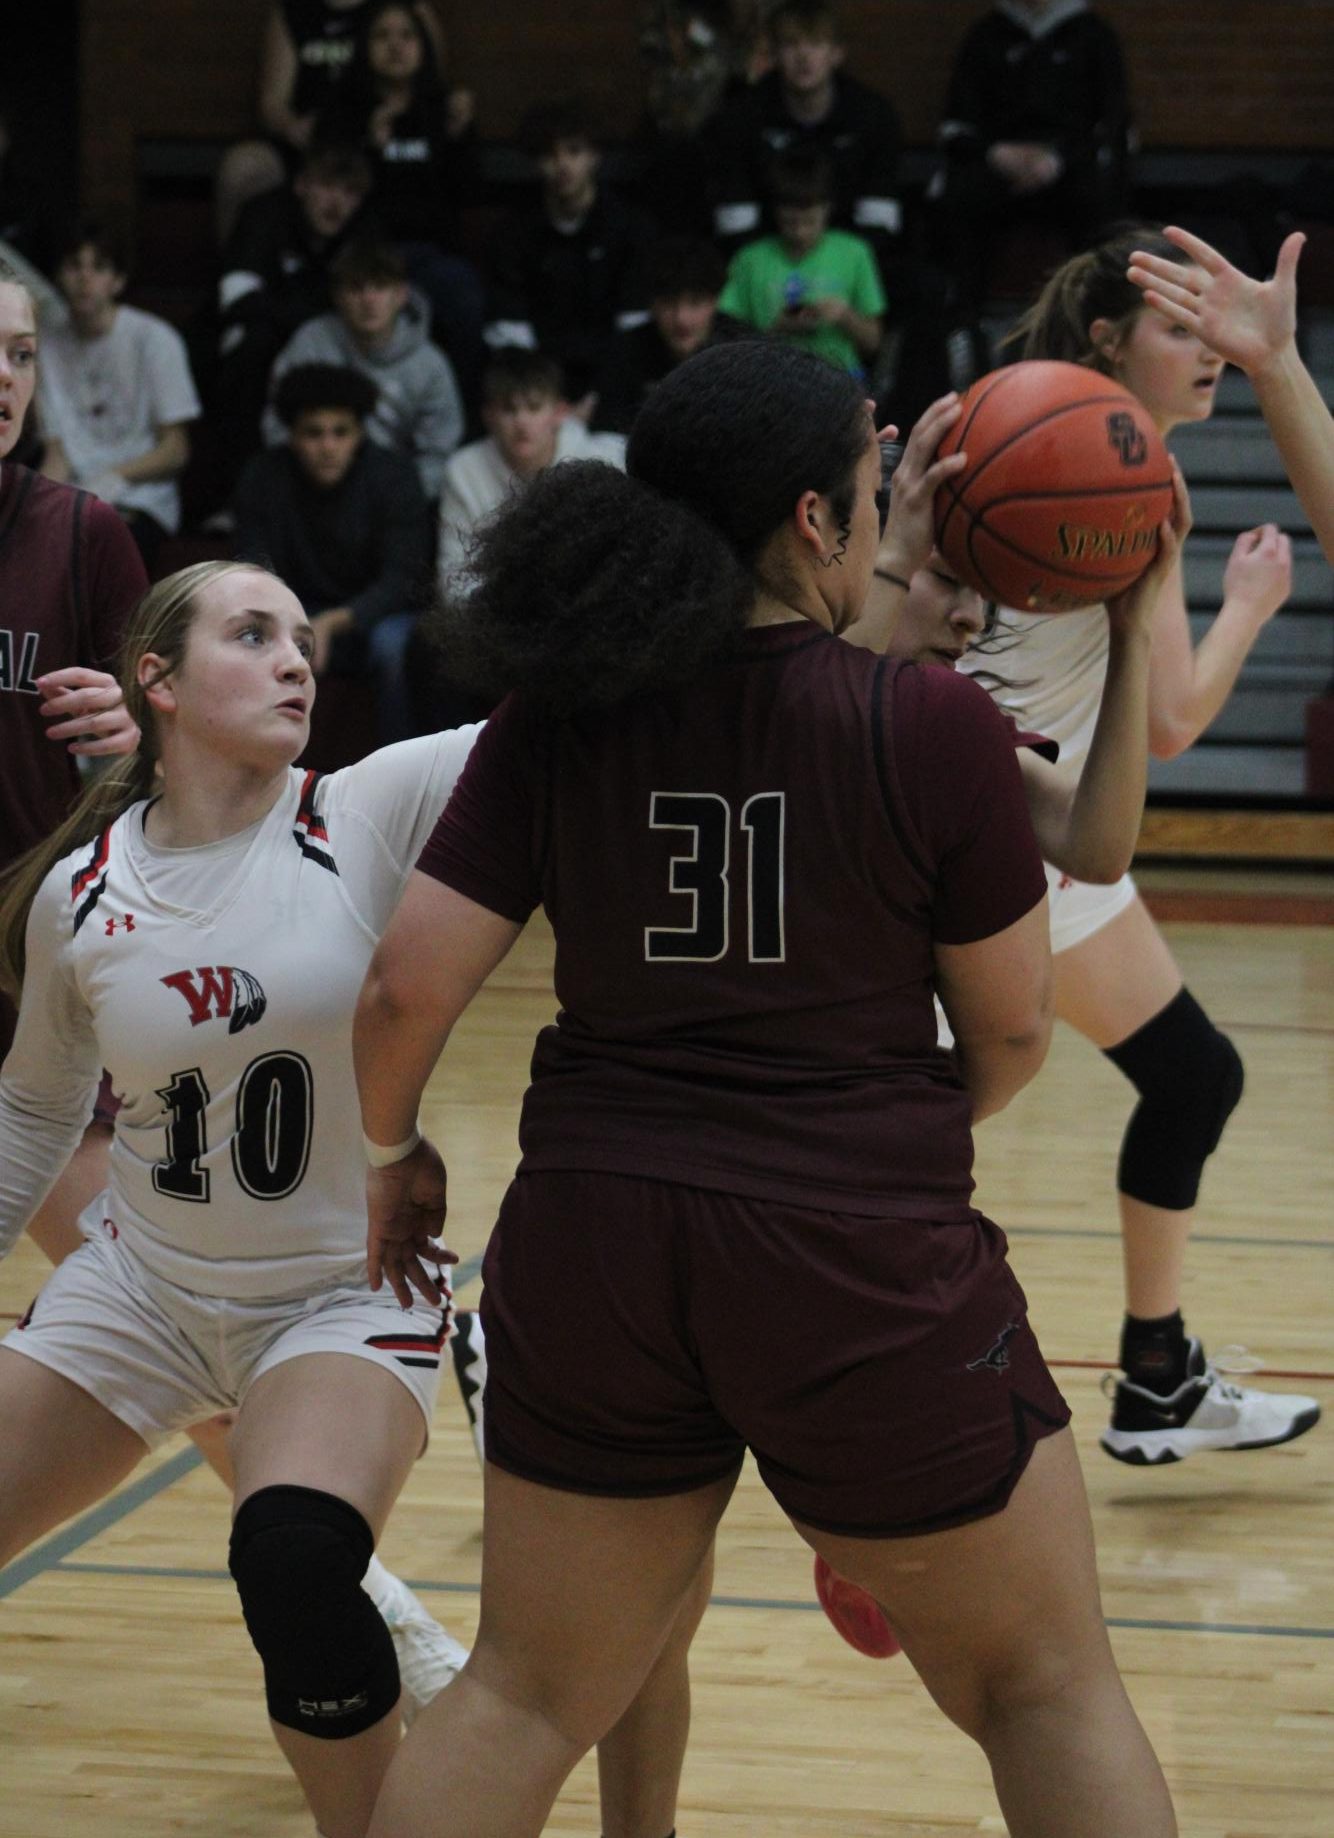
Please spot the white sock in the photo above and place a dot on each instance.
(380, 1584)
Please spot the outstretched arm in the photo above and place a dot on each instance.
(1253, 324)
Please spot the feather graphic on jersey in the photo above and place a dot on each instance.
(220, 993)
(251, 1001)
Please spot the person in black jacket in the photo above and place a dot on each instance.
(1036, 127)
(565, 275)
(419, 137)
(683, 277)
(808, 101)
(274, 277)
(344, 523)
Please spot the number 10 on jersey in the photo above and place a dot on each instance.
(701, 874)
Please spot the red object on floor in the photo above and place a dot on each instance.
(857, 1615)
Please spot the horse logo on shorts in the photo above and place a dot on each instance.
(997, 1356)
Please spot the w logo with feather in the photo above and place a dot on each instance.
(220, 993)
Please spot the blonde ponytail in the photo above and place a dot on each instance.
(159, 624)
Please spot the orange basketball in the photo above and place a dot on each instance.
(1066, 483)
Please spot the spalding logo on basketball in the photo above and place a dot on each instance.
(1066, 483)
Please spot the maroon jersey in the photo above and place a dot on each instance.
(746, 879)
(69, 576)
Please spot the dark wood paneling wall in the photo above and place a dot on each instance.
(1205, 73)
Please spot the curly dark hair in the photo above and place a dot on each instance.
(591, 588)
(593, 585)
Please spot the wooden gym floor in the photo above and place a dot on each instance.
(129, 1695)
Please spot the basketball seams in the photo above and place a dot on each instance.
(1113, 583)
(1029, 427)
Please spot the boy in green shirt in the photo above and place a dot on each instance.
(816, 287)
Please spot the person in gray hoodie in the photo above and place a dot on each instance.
(381, 327)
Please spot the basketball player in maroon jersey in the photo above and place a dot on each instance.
(743, 1214)
(69, 576)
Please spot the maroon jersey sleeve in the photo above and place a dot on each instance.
(482, 845)
(115, 583)
(954, 756)
(1050, 750)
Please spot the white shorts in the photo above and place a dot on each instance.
(162, 1358)
(1078, 909)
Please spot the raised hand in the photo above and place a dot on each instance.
(910, 531)
(1249, 322)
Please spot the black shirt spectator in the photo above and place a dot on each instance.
(683, 278)
(565, 275)
(275, 276)
(1036, 125)
(807, 102)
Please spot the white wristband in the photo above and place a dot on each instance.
(380, 1157)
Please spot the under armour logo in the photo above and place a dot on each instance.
(127, 922)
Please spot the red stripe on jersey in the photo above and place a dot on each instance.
(86, 876)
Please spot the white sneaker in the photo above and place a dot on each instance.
(1205, 1412)
(468, 1346)
(428, 1657)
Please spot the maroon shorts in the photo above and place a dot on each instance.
(641, 1336)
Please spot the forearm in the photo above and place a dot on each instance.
(874, 625)
(1102, 819)
(33, 1151)
(163, 461)
(396, 1042)
(1203, 680)
(996, 1070)
(865, 330)
(1303, 432)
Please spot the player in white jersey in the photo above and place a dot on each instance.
(1115, 978)
(200, 926)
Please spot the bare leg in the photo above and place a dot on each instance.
(640, 1759)
(1107, 988)
(1002, 1620)
(54, 1229)
(61, 1451)
(345, 1426)
(580, 1595)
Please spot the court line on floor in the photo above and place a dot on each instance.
(100, 1518)
(428, 1587)
(1223, 1238)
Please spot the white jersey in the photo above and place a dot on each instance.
(1054, 668)
(217, 986)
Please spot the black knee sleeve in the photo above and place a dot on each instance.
(298, 1558)
(1189, 1077)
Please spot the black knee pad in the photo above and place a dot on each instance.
(1190, 1078)
(298, 1557)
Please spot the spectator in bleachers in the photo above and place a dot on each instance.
(566, 272)
(420, 141)
(528, 428)
(116, 394)
(691, 59)
(275, 276)
(380, 327)
(807, 284)
(683, 278)
(1036, 127)
(307, 48)
(346, 525)
(809, 102)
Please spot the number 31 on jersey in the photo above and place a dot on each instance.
(701, 873)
